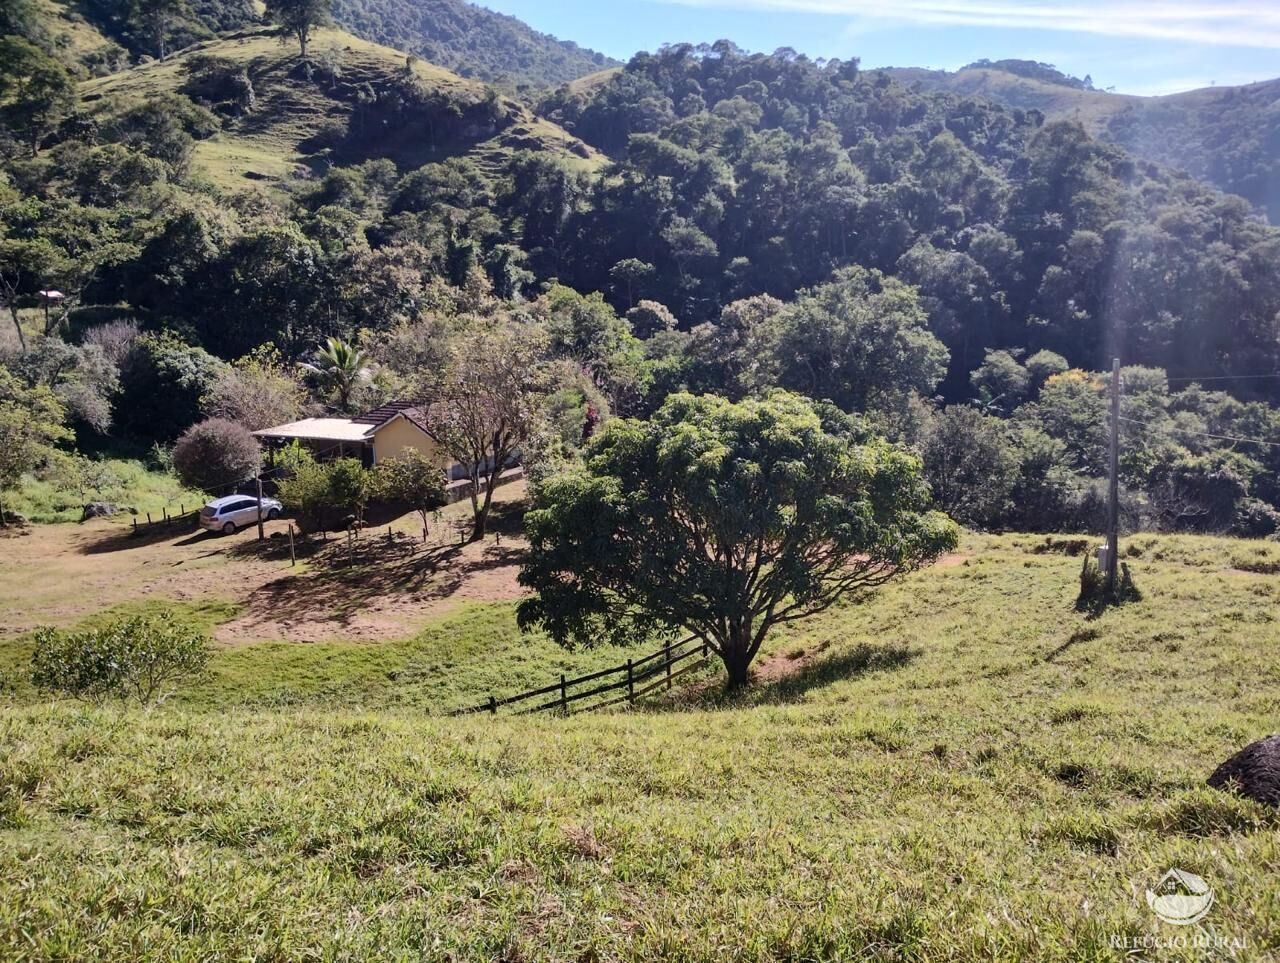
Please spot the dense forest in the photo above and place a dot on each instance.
(469, 40)
(947, 269)
(1227, 136)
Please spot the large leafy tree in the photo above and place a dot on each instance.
(861, 341)
(724, 520)
(36, 91)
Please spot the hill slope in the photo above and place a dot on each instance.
(469, 39)
(1228, 136)
(967, 769)
(362, 101)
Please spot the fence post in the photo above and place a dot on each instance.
(493, 706)
(667, 648)
(148, 518)
(135, 524)
(631, 683)
(564, 696)
(164, 512)
(293, 559)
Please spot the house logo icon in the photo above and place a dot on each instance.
(1180, 898)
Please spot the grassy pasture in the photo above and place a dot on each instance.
(295, 114)
(961, 767)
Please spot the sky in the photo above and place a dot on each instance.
(1136, 46)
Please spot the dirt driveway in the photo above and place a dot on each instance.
(60, 574)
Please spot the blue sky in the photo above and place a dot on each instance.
(1136, 46)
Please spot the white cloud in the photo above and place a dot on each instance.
(1237, 23)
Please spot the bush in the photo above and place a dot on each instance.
(215, 454)
(413, 479)
(316, 492)
(127, 658)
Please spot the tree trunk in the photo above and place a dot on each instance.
(736, 653)
(482, 511)
(17, 325)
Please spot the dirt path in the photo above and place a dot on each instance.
(61, 574)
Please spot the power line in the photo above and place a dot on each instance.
(1208, 434)
(1223, 377)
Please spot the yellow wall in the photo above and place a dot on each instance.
(401, 434)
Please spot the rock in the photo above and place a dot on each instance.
(97, 510)
(1253, 772)
(16, 520)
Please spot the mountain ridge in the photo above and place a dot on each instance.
(1226, 136)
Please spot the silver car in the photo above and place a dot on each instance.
(236, 511)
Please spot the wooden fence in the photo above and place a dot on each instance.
(181, 517)
(638, 677)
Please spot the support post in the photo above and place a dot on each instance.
(631, 683)
(493, 706)
(1113, 483)
(564, 696)
(667, 649)
(258, 480)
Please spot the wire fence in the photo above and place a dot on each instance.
(632, 680)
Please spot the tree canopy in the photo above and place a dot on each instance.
(723, 520)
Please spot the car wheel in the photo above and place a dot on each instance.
(229, 528)
(273, 514)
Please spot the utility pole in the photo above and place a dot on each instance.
(261, 536)
(1113, 483)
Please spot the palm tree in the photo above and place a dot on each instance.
(340, 367)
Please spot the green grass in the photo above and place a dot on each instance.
(970, 770)
(293, 114)
(127, 484)
(458, 661)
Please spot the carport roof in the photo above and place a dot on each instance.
(321, 429)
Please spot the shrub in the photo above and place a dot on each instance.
(127, 658)
(216, 453)
(314, 489)
(414, 480)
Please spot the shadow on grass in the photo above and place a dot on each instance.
(342, 577)
(860, 660)
(146, 536)
(1094, 600)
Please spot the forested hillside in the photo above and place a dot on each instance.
(102, 36)
(470, 40)
(762, 222)
(1228, 136)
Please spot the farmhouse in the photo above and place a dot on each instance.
(385, 432)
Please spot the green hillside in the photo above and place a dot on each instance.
(362, 101)
(468, 39)
(1227, 136)
(471, 40)
(963, 767)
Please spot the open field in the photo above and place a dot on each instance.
(962, 767)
